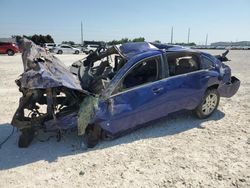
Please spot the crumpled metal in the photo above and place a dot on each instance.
(43, 70)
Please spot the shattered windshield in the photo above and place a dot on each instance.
(96, 70)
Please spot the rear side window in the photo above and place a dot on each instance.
(182, 63)
(3, 44)
(65, 46)
(206, 63)
(93, 46)
(52, 45)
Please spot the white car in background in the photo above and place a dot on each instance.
(90, 48)
(64, 48)
(49, 46)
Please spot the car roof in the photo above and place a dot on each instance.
(135, 49)
(131, 49)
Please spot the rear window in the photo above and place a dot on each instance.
(206, 63)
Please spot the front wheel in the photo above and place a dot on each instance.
(76, 52)
(10, 52)
(208, 104)
(26, 137)
(60, 52)
(92, 136)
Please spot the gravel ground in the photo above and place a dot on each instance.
(176, 151)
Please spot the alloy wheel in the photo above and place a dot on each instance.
(209, 104)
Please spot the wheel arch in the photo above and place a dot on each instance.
(214, 86)
(9, 49)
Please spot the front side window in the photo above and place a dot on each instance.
(144, 72)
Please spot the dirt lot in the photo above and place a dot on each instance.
(177, 151)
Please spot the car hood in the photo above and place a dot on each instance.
(43, 70)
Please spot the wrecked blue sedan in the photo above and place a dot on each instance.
(117, 89)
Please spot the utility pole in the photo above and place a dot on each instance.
(172, 33)
(81, 34)
(206, 39)
(188, 34)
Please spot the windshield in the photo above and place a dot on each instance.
(97, 69)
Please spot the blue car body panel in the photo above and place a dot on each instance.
(128, 110)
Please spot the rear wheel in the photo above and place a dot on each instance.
(10, 52)
(60, 52)
(208, 104)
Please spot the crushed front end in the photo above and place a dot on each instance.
(55, 98)
(51, 95)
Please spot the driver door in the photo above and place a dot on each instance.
(136, 99)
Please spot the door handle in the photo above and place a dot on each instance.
(157, 90)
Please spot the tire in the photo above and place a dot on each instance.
(90, 51)
(60, 52)
(26, 138)
(10, 52)
(208, 104)
(92, 136)
(76, 52)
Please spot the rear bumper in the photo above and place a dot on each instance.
(229, 89)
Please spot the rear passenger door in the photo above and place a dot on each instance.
(66, 49)
(183, 84)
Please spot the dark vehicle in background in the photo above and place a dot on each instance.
(8, 48)
(105, 97)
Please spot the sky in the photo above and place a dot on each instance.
(222, 20)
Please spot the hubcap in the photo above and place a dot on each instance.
(209, 104)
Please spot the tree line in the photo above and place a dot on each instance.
(41, 39)
(37, 39)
